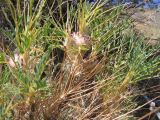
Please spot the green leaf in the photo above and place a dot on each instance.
(2, 57)
(41, 65)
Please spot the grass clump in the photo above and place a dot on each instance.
(98, 62)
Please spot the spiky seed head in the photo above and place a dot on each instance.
(18, 58)
(78, 43)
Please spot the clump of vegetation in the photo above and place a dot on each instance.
(77, 65)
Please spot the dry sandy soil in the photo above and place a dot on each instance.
(147, 22)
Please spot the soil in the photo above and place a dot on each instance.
(147, 22)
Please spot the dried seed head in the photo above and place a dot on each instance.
(11, 62)
(18, 58)
(80, 39)
(77, 44)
